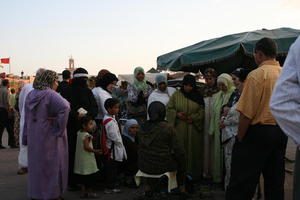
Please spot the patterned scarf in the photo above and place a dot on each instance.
(45, 80)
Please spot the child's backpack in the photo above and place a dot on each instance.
(106, 151)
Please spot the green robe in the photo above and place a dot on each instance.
(190, 136)
(219, 100)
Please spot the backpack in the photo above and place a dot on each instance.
(106, 151)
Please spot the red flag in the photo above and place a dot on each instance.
(5, 60)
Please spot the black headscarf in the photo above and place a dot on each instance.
(157, 113)
(194, 95)
(80, 78)
(107, 79)
(241, 73)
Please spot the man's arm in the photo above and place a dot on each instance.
(285, 102)
(247, 105)
(243, 126)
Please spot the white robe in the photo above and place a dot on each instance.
(23, 155)
(114, 136)
(160, 96)
(101, 96)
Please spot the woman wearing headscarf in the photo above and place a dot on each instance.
(138, 93)
(46, 136)
(129, 138)
(220, 99)
(22, 158)
(163, 92)
(102, 92)
(159, 150)
(210, 88)
(229, 124)
(82, 103)
(185, 111)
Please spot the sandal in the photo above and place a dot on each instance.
(22, 171)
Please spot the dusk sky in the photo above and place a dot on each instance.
(122, 34)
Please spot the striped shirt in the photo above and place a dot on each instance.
(285, 102)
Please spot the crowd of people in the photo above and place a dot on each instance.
(72, 133)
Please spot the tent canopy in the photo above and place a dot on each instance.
(226, 53)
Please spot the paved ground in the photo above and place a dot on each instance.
(13, 186)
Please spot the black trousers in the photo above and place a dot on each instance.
(261, 152)
(6, 122)
(111, 168)
(72, 178)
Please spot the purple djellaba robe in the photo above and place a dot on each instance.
(46, 136)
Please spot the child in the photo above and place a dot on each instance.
(116, 150)
(85, 162)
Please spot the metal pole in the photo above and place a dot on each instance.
(9, 65)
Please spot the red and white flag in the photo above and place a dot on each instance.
(4, 60)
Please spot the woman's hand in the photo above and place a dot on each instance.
(189, 120)
(221, 125)
(79, 116)
(181, 116)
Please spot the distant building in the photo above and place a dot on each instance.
(71, 65)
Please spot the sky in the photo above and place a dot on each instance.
(121, 34)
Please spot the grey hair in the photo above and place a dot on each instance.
(40, 71)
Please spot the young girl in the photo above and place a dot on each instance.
(85, 162)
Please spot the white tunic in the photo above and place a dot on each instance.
(23, 155)
(114, 136)
(163, 97)
(101, 96)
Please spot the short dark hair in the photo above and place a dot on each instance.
(12, 91)
(84, 120)
(267, 46)
(5, 82)
(66, 74)
(110, 103)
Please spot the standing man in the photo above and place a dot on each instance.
(285, 104)
(66, 74)
(5, 119)
(260, 143)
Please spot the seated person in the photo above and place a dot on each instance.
(130, 167)
(159, 152)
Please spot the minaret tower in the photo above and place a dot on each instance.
(71, 64)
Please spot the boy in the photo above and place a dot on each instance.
(114, 149)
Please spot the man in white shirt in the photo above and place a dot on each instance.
(285, 104)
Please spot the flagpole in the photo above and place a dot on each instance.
(9, 65)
